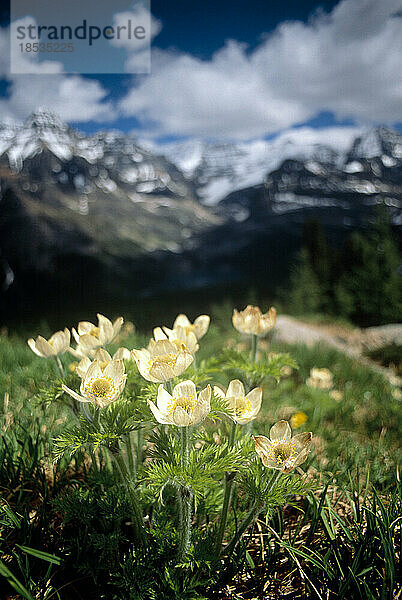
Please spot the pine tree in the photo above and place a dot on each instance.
(368, 289)
(305, 295)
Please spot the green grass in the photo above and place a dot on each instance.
(340, 541)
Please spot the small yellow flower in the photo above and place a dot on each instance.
(101, 386)
(321, 379)
(89, 337)
(183, 407)
(298, 419)
(252, 321)
(243, 408)
(199, 327)
(282, 451)
(56, 345)
(180, 337)
(161, 361)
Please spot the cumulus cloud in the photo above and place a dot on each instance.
(347, 62)
(73, 97)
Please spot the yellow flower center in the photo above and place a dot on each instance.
(242, 406)
(103, 387)
(283, 452)
(164, 359)
(187, 401)
(181, 345)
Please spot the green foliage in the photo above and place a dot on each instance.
(361, 282)
(369, 287)
(72, 521)
(272, 488)
(305, 293)
(238, 364)
(205, 463)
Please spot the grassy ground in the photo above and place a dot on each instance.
(342, 541)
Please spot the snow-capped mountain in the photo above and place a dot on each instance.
(103, 213)
(92, 176)
(220, 169)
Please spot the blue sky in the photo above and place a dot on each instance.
(236, 70)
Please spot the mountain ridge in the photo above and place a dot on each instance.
(106, 210)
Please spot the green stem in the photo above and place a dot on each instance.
(59, 366)
(185, 498)
(254, 347)
(229, 480)
(184, 446)
(249, 519)
(130, 457)
(136, 513)
(140, 443)
(244, 525)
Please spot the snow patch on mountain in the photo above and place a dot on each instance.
(220, 169)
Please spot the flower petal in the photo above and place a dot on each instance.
(302, 456)
(102, 355)
(84, 327)
(185, 388)
(181, 321)
(255, 398)
(159, 334)
(44, 347)
(280, 430)
(201, 325)
(235, 389)
(219, 392)
(163, 347)
(122, 354)
(83, 367)
(262, 445)
(163, 399)
(94, 372)
(140, 355)
(158, 415)
(161, 372)
(89, 341)
(181, 417)
(74, 394)
(302, 440)
(184, 360)
(203, 406)
(32, 344)
(117, 325)
(114, 369)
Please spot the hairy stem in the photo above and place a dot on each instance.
(185, 498)
(229, 480)
(140, 443)
(244, 525)
(130, 456)
(136, 513)
(59, 366)
(254, 347)
(249, 519)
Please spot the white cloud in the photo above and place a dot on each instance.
(73, 98)
(347, 62)
(138, 50)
